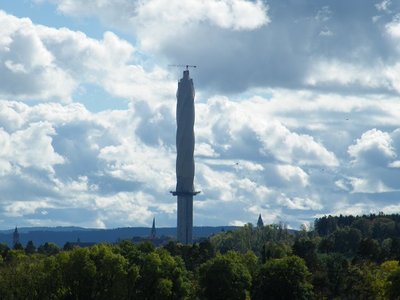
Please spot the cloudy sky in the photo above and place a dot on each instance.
(297, 110)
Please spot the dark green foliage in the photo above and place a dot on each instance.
(48, 249)
(250, 238)
(345, 257)
(283, 278)
(364, 225)
(393, 286)
(346, 240)
(103, 271)
(326, 225)
(331, 277)
(30, 248)
(193, 255)
(224, 277)
(307, 250)
(360, 283)
(3, 250)
(18, 246)
(369, 249)
(376, 226)
(68, 246)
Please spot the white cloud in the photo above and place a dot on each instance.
(324, 14)
(27, 67)
(30, 147)
(347, 74)
(229, 14)
(315, 127)
(393, 28)
(21, 208)
(374, 147)
(133, 207)
(395, 164)
(243, 126)
(39, 62)
(293, 174)
(384, 5)
(368, 185)
(299, 203)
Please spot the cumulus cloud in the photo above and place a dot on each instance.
(39, 62)
(374, 160)
(374, 148)
(248, 162)
(29, 147)
(245, 130)
(393, 27)
(384, 5)
(27, 67)
(299, 203)
(229, 14)
(316, 131)
(241, 44)
(73, 159)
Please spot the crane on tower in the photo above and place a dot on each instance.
(183, 66)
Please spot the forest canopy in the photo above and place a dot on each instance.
(342, 257)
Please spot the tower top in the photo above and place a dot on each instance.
(183, 66)
(186, 74)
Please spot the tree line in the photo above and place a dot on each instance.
(342, 257)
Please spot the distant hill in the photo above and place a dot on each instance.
(61, 235)
(57, 228)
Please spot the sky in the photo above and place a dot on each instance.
(297, 110)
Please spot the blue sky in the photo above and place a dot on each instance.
(297, 110)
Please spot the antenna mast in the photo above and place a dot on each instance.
(183, 66)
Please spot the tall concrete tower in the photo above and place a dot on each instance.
(184, 159)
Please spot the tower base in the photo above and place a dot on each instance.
(185, 217)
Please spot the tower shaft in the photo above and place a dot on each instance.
(185, 116)
(185, 219)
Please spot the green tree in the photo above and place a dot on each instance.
(364, 225)
(307, 250)
(369, 249)
(273, 249)
(330, 279)
(4, 249)
(30, 248)
(346, 240)
(48, 249)
(224, 277)
(161, 276)
(30, 277)
(18, 246)
(111, 273)
(383, 228)
(361, 283)
(78, 273)
(393, 285)
(283, 278)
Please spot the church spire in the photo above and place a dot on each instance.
(15, 236)
(260, 222)
(153, 230)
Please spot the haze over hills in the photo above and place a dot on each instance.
(61, 235)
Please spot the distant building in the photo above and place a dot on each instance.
(16, 236)
(78, 243)
(260, 222)
(153, 230)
